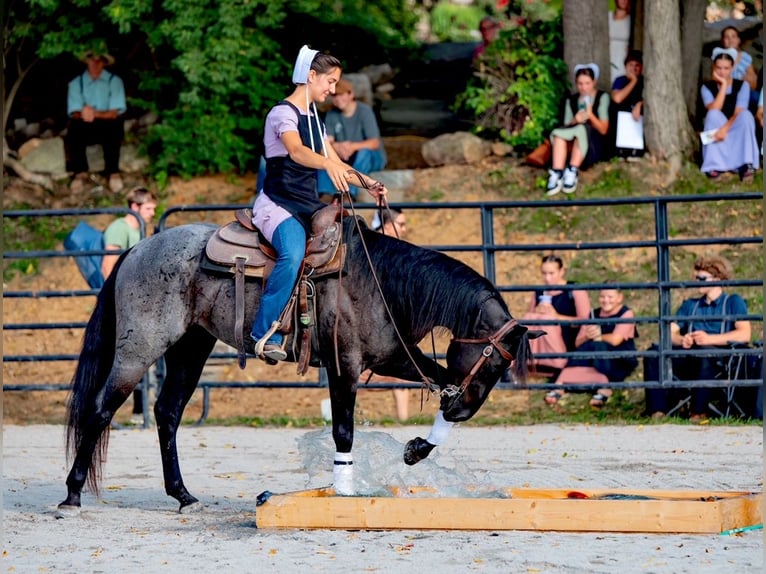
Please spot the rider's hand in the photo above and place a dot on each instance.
(378, 191)
(338, 176)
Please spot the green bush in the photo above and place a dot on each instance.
(519, 84)
(455, 23)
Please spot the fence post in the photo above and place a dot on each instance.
(663, 276)
(487, 241)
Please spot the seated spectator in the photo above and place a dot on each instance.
(95, 104)
(734, 147)
(585, 124)
(699, 332)
(552, 304)
(628, 97)
(353, 132)
(617, 336)
(124, 232)
(743, 63)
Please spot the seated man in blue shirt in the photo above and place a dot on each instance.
(701, 332)
(95, 104)
(353, 132)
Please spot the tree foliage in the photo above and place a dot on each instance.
(519, 83)
(209, 69)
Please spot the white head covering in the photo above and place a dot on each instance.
(729, 51)
(303, 64)
(592, 66)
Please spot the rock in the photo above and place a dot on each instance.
(148, 119)
(28, 147)
(501, 149)
(32, 130)
(44, 156)
(379, 74)
(395, 178)
(48, 156)
(455, 148)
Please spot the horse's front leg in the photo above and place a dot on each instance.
(419, 448)
(343, 400)
(402, 367)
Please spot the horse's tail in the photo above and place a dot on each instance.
(93, 369)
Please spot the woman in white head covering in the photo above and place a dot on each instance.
(295, 149)
(733, 146)
(585, 124)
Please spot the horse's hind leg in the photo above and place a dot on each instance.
(184, 361)
(92, 433)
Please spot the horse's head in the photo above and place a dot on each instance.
(476, 364)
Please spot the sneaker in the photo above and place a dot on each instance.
(569, 180)
(115, 183)
(554, 182)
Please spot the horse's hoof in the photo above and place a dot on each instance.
(67, 511)
(195, 506)
(416, 450)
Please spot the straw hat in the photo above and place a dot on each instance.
(98, 51)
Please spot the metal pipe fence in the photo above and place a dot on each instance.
(492, 216)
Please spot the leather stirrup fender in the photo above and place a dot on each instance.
(239, 311)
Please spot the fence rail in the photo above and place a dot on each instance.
(491, 214)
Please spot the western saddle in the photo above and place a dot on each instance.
(238, 249)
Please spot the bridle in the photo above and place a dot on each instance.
(494, 344)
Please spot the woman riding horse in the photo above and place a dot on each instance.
(294, 151)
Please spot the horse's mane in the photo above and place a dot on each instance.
(430, 288)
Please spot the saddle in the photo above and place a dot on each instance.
(239, 249)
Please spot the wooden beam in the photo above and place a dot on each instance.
(618, 510)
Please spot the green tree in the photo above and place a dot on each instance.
(520, 80)
(209, 69)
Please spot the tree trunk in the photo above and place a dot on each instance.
(669, 135)
(637, 25)
(692, 28)
(586, 37)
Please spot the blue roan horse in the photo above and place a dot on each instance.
(160, 302)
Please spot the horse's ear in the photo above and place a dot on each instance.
(535, 334)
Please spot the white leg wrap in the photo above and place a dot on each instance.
(343, 474)
(440, 431)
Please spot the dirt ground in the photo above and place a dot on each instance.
(135, 526)
(449, 183)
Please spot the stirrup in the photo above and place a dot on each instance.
(261, 343)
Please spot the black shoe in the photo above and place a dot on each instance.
(746, 172)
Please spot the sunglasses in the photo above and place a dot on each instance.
(704, 277)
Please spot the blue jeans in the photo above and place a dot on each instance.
(289, 241)
(365, 161)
